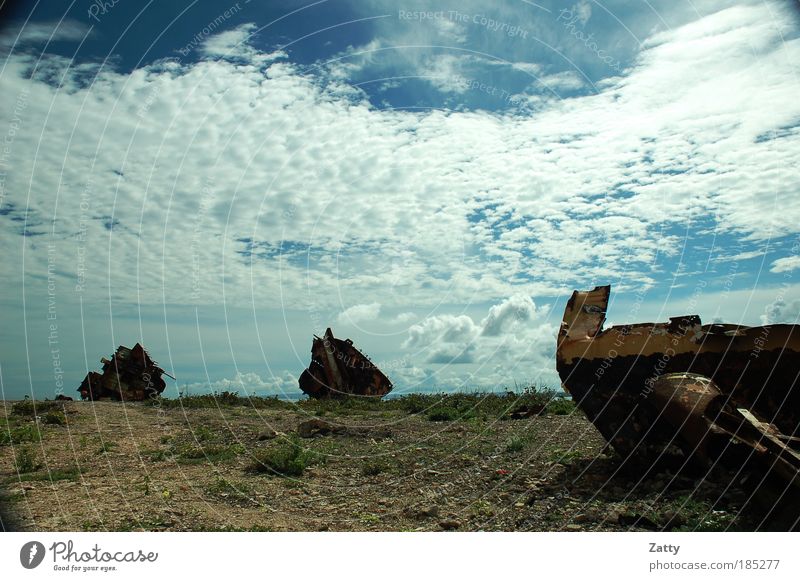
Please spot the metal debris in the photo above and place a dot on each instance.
(130, 375)
(682, 393)
(338, 369)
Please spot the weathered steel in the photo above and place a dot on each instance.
(338, 369)
(130, 375)
(684, 393)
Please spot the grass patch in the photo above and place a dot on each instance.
(209, 453)
(52, 476)
(564, 456)
(697, 515)
(20, 435)
(561, 407)
(230, 491)
(31, 408)
(217, 400)
(287, 458)
(55, 418)
(106, 446)
(374, 466)
(516, 444)
(25, 460)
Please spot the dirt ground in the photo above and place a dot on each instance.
(119, 467)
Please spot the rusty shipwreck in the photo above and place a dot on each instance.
(686, 394)
(338, 369)
(130, 375)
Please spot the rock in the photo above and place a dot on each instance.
(450, 525)
(573, 527)
(316, 428)
(267, 435)
(421, 513)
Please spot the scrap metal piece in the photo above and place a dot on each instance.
(130, 375)
(682, 392)
(338, 369)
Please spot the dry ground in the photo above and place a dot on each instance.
(114, 466)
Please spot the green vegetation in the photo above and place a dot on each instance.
(30, 408)
(517, 444)
(434, 406)
(51, 476)
(25, 460)
(188, 454)
(55, 418)
(695, 515)
(561, 407)
(564, 456)
(20, 434)
(286, 458)
(106, 446)
(374, 466)
(231, 491)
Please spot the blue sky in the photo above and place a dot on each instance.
(221, 180)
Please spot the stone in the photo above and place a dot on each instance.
(316, 428)
(450, 525)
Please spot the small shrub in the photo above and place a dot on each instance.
(106, 446)
(31, 408)
(25, 460)
(561, 406)
(288, 458)
(203, 434)
(564, 456)
(20, 435)
(443, 414)
(52, 476)
(55, 418)
(374, 466)
(516, 444)
(208, 453)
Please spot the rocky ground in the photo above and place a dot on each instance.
(113, 466)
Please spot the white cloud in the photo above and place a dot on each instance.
(786, 264)
(18, 36)
(359, 313)
(506, 335)
(246, 384)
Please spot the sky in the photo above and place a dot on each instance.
(220, 181)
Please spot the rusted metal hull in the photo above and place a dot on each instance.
(682, 392)
(338, 369)
(130, 375)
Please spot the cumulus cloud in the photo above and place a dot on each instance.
(189, 168)
(782, 311)
(360, 313)
(245, 384)
(506, 334)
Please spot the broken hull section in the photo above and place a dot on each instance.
(338, 369)
(618, 376)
